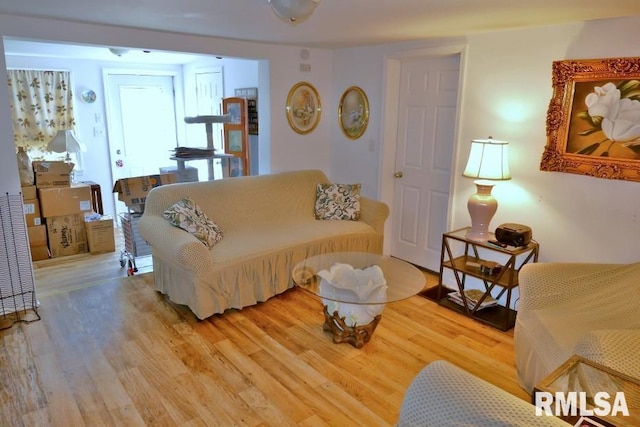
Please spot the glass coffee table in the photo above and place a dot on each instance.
(354, 288)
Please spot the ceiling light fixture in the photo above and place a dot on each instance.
(118, 51)
(293, 11)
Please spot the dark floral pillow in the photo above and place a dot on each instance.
(187, 215)
(338, 201)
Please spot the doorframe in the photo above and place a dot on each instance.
(177, 94)
(390, 102)
(178, 106)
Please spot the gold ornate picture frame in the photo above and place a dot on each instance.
(353, 112)
(303, 108)
(593, 119)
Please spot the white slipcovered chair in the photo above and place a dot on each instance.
(592, 310)
(444, 395)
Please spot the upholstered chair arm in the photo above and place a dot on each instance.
(175, 243)
(444, 395)
(374, 213)
(548, 284)
(614, 348)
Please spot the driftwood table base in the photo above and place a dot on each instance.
(355, 335)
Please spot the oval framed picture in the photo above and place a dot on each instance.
(353, 112)
(303, 108)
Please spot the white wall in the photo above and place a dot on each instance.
(287, 149)
(278, 70)
(365, 159)
(10, 182)
(505, 91)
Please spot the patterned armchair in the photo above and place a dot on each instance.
(445, 395)
(592, 310)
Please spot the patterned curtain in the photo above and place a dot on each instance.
(41, 104)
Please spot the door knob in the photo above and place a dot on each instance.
(398, 174)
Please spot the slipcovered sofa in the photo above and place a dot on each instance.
(444, 395)
(592, 310)
(267, 224)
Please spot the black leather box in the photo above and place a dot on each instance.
(513, 234)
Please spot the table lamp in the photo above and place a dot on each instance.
(488, 162)
(65, 141)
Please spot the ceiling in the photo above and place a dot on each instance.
(334, 24)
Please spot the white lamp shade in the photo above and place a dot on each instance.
(293, 10)
(65, 141)
(488, 159)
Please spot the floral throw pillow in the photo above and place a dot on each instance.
(338, 201)
(187, 215)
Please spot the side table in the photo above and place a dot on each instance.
(581, 375)
(464, 257)
(96, 196)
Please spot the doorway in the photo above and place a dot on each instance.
(141, 118)
(419, 176)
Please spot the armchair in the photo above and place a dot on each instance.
(592, 310)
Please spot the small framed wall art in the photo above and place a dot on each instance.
(88, 96)
(303, 108)
(353, 112)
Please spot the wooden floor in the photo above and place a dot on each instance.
(80, 271)
(112, 351)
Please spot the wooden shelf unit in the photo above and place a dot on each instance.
(495, 285)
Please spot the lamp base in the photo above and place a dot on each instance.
(482, 206)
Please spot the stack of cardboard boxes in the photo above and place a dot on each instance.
(36, 229)
(57, 215)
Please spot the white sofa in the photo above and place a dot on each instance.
(592, 310)
(268, 224)
(444, 395)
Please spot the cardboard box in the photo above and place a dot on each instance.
(37, 235)
(51, 174)
(133, 191)
(65, 200)
(29, 192)
(100, 235)
(67, 235)
(32, 213)
(39, 253)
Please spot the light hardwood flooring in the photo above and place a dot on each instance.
(80, 271)
(112, 351)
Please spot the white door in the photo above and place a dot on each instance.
(424, 153)
(209, 93)
(142, 125)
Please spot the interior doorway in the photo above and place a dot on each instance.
(419, 181)
(141, 119)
